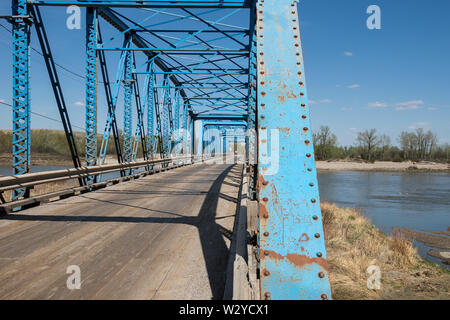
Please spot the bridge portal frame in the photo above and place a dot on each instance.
(292, 256)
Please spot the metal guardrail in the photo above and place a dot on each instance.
(30, 180)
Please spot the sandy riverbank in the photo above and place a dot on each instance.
(409, 166)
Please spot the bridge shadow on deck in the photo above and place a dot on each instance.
(214, 248)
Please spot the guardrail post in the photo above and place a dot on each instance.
(291, 240)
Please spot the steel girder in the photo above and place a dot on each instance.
(91, 88)
(21, 93)
(291, 240)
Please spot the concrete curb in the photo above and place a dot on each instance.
(238, 285)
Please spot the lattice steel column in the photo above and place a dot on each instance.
(176, 124)
(166, 118)
(128, 102)
(91, 87)
(184, 126)
(21, 93)
(291, 239)
(150, 106)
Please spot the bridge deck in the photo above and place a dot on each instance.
(164, 236)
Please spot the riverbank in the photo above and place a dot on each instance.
(406, 166)
(48, 160)
(354, 244)
(39, 160)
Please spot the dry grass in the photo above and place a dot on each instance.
(353, 244)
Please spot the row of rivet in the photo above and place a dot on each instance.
(321, 274)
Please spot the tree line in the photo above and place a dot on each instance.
(416, 145)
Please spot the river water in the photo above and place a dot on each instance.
(419, 201)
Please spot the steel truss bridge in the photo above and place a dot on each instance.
(202, 77)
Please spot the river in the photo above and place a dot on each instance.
(419, 201)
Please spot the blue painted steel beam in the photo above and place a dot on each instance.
(138, 41)
(166, 141)
(149, 4)
(149, 104)
(252, 98)
(291, 239)
(21, 94)
(91, 88)
(111, 118)
(128, 103)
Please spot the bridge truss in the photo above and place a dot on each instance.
(221, 63)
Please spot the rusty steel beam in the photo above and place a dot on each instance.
(291, 240)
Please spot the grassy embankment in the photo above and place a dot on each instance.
(48, 147)
(353, 244)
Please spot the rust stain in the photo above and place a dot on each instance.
(303, 238)
(298, 260)
(263, 210)
(285, 130)
(281, 99)
(262, 183)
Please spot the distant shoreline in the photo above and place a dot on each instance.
(387, 166)
(322, 166)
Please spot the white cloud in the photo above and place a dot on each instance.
(79, 104)
(411, 107)
(321, 101)
(417, 125)
(432, 108)
(353, 86)
(410, 103)
(377, 104)
(348, 53)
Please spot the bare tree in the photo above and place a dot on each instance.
(324, 142)
(418, 145)
(385, 144)
(368, 140)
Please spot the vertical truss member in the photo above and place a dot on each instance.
(149, 100)
(291, 240)
(140, 130)
(111, 118)
(21, 93)
(91, 88)
(57, 90)
(251, 120)
(128, 95)
(111, 101)
(184, 126)
(167, 126)
(176, 124)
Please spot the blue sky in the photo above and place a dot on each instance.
(393, 79)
